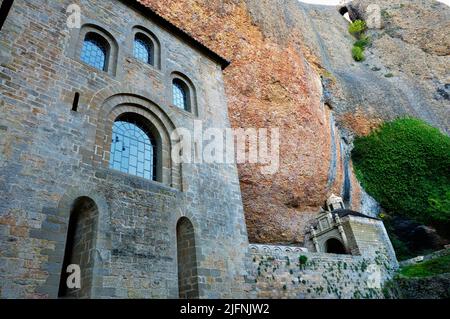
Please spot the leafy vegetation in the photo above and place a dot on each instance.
(405, 166)
(302, 260)
(363, 42)
(357, 29)
(436, 266)
(358, 53)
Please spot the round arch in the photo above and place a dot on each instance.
(101, 32)
(334, 246)
(189, 87)
(120, 103)
(68, 205)
(187, 267)
(149, 145)
(80, 247)
(140, 30)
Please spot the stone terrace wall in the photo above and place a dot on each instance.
(276, 272)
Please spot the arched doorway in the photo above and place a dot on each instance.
(334, 246)
(187, 260)
(80, 245)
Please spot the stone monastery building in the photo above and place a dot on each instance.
(86, 176)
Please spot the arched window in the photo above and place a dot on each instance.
(95, 51)
(181, 95)
(134, 148)
(143, 49)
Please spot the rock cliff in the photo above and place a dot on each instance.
(292, 68)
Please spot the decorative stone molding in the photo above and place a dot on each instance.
(275, 249)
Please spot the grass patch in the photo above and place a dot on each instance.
(436, 266)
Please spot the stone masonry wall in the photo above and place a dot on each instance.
(50, 156)
(281, 272)
(368, 237)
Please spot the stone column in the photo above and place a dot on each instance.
(314, 239)
(341, 231)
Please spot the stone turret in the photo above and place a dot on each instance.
(343, 231)
(335, 202)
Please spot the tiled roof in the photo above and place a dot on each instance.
(346, 212)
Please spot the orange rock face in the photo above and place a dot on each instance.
(268, 85)
(359, 123)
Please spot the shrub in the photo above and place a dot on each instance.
(303, 260)
(362, 43)
(357, 27)
(358, 53)
(405, 166)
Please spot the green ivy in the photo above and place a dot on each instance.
(405, 166)
(302, 260)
